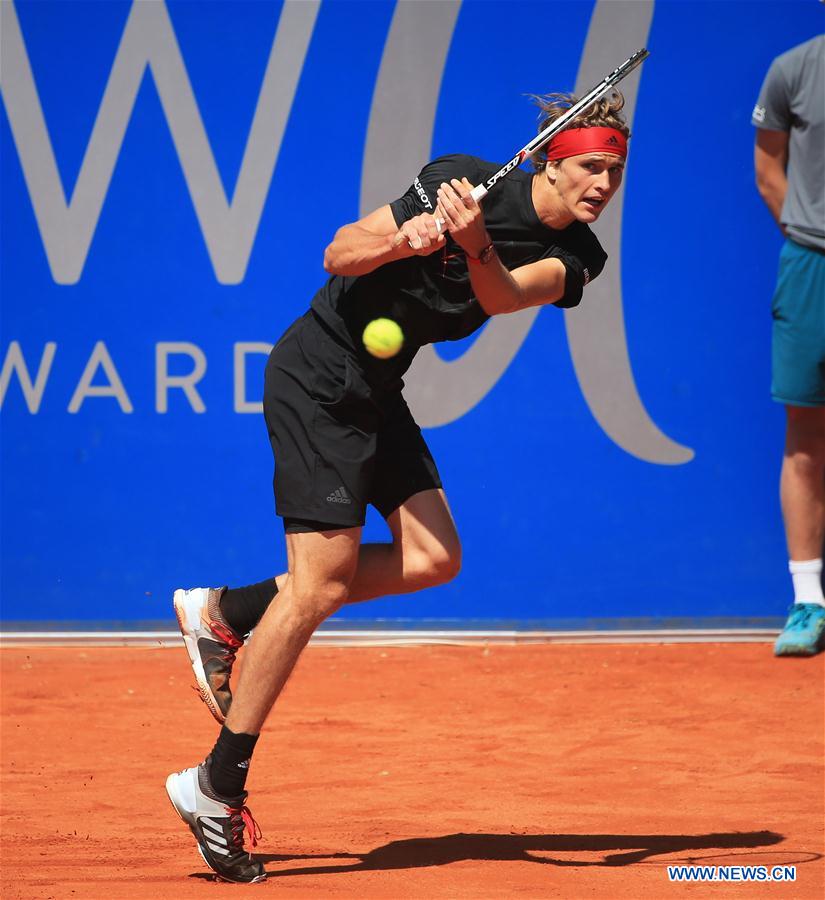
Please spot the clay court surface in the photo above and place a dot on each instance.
(435, 772)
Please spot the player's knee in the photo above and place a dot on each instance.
(817, 450)
(805, 439)
(448, 566)
(439, 564)
(807, 456)
(312, 603)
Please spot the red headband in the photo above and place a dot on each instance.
(573, 141)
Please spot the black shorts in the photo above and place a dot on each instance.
(339, 442)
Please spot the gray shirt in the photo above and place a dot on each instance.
(792, 99)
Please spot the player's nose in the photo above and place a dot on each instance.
(602, 182)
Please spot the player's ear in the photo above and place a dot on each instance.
(552, 170)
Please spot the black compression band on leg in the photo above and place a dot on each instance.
(309, 526)
(243, 607)
(229, 762)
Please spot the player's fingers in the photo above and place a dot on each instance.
(441, 198)
(462, 194)
(449, 192)
(441, 220)
(412, 236)
(454, 194)
(422, 225)
(467, 196)
(425, 246)
(460, 190)
(432, 228)
(448, 205)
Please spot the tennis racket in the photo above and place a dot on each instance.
(480, 191)
(543, 137)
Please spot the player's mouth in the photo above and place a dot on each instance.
(594, 203)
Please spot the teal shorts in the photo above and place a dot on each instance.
(799, 327)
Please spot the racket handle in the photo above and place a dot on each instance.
(479, 192)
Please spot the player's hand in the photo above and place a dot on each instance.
(419, 236)
(462, 216)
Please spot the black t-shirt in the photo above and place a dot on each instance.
(431, 297)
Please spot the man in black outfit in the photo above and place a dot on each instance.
(343, 436)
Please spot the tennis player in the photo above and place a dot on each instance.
(343, 436)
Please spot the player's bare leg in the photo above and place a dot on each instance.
(211, 797)
(323, 565)
(425, 551)
(327, 571)
(802, 492)
(802, 484)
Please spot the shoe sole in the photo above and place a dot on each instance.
(186, 816)
(796, 650)
(182, 614)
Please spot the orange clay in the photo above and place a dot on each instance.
(436, 772)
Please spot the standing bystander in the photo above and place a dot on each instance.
(790, 175)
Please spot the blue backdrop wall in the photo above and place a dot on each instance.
(170, 176)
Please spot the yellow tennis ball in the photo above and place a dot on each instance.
(383, 338)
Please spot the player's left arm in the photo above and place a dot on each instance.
(497, 289)
(501, 291)
(363, 246)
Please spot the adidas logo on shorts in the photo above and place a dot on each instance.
(339, 496)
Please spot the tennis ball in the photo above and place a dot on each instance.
(383, 338)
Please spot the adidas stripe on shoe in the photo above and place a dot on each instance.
(218, 824)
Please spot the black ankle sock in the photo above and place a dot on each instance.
(243, 607)
(229, 763)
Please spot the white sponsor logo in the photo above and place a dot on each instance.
(33, 376)
(149, 44)
(67, 220)
(759, 113)
(419, 189)
(509, 167)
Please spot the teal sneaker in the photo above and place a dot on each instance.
(803, 632)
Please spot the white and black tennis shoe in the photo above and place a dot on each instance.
(218, 824)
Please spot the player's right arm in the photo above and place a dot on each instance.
(363, 246)
(773, 118)
(770, 160)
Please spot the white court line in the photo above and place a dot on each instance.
(406, 638)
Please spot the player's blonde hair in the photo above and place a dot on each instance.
(604, 113)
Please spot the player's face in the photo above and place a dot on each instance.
(585, 183)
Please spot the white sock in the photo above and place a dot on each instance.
(807, 580)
